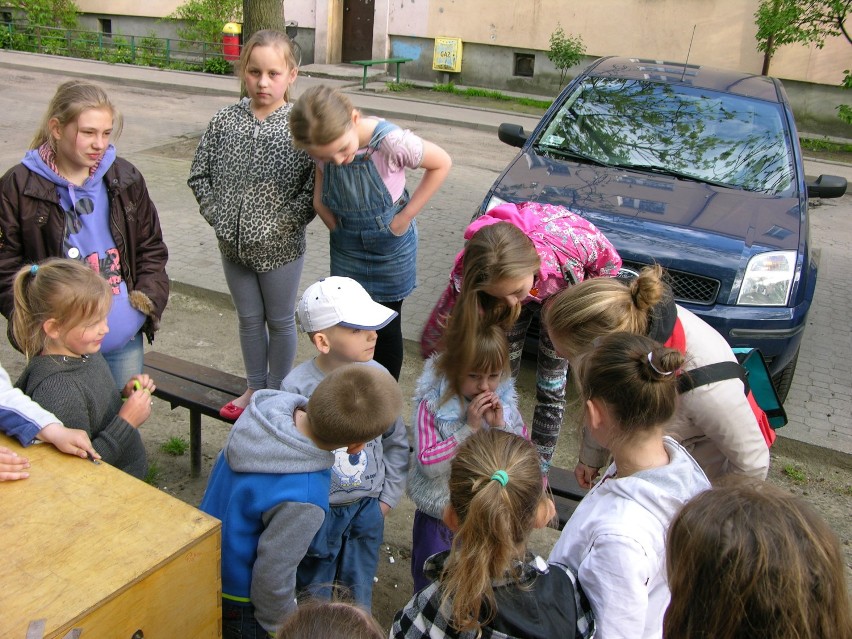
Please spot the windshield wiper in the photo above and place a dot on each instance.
(568, 153)
(659, 170)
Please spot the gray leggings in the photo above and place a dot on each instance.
(265, 304)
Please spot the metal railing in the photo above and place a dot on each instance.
(147, 50)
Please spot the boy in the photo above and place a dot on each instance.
(270, 485)
(341, 320)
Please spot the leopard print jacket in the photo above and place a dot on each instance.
(254, 187)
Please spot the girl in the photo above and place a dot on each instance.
(255, 190)
(460, 392)
(715, 422)
(60, 322)
(318, 619)
(26, 421)
(615, 540)
(360, 195)
(516, 258)
(750, 560)
(488, 585)
(73, 197)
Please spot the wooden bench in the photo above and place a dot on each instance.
(566, 492)
(368, 63)
(201, 389)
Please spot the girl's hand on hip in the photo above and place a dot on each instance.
(399, 225)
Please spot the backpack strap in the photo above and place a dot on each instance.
(688, 380)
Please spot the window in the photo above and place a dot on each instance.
(6, 17)
(524, 64)
(106, 26)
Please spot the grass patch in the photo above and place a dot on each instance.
(175, 446)
(471, 92)
(399, 87)
(796, 474)
(823, 145)
(153, 474)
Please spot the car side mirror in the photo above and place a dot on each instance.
(826, 186)
(512, 134)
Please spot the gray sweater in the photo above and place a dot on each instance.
(81, 392)
(377, 471)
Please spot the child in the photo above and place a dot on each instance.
(255, 190)
(71, 196)
(360, 195)
(714, 422)
(488, 585)
(460, 392)
(342, 320)
(26, 421)
(60, 322)
(750, 560)
(615, 540)
(270, 486)
(319, 619)
(515, 259)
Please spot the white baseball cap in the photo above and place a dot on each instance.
(340, 300)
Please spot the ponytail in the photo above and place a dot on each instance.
(495, 490)
(634, 376)
(579, 314)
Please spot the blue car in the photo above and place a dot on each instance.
(697, 169)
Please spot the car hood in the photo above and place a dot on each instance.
(681, 224)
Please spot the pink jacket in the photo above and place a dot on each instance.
(570, 247)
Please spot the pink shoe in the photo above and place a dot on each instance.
(230, 411)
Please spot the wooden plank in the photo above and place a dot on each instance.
(77, 536)
(207, 376)
(186, 393)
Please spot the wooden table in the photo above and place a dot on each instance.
(89, 547)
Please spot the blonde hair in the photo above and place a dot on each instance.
(65, 290)
(748, 559)
(634, 376)
(317, 619)
(579, 314)
(495, 522)
(495, 253)
(320, 116)
(69, 101)
(353, 404)
(268, 38)
(488, 353)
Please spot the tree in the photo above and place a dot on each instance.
(781, 22)
(204, 19)
(49, 13)
(565, 51)
(262, 14)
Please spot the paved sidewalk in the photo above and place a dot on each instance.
(820, 403)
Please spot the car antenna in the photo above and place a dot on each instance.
(688, 51)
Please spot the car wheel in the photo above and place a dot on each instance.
(783, 380)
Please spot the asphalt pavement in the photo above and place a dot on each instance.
(820, 402)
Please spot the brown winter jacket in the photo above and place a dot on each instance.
(32, 227)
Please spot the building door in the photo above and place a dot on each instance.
(358, 29)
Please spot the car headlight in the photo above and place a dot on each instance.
(768, 279)
(493, 202)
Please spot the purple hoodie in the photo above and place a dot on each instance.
(88, 239)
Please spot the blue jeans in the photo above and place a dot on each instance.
(127, 361)
(238, 622)
(345, 551)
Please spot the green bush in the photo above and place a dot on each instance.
(218, 66)
(118, 51)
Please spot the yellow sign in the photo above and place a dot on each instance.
(448, 55)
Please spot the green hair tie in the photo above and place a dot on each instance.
(501, 477)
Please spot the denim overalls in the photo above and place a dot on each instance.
(362, 245)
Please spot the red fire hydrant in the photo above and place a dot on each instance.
(231, 41)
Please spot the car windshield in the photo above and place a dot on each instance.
(712, 137)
